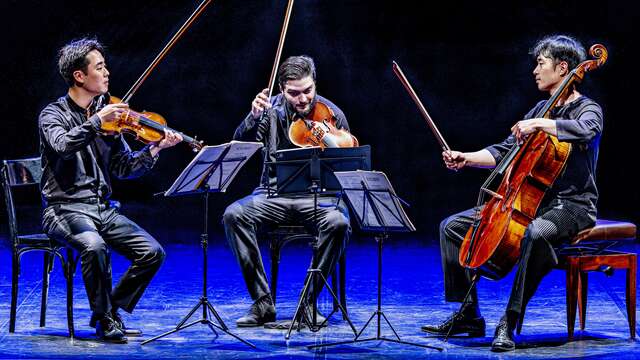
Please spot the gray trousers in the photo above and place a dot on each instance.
(552, 226)
(245, 217)
(93, 229)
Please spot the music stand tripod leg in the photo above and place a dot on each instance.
(378, 313)
(204, 302)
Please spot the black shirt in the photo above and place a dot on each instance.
(579, 122)
(77, 160)
(274, 132)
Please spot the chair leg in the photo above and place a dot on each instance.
(69, 272)
(275, 264)
(46, 275)
(334, 285)
(583, 281)
(15, 276)
(343, 282)
(631, 294)
(572, 279)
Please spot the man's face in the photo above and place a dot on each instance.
(300, 94)
(549, 75)
(96, 79)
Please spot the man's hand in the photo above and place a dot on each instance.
(454, 160)
(260, 104)
(522, 129)
(170, 139)
(112, 112)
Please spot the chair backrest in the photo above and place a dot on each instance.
(18, 173)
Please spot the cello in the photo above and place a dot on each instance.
(491, 247)
(492, 244)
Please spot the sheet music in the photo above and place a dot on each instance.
(199, 168)
(382, 194)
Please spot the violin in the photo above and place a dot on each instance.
(148, 127)
(319, 129)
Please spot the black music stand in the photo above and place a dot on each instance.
(378, 210)
(211, 171)
(310, 170)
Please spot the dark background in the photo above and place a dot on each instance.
(468, 62)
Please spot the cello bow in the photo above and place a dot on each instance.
(421, 108)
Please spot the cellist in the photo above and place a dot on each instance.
(569, 205)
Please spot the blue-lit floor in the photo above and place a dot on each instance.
(412, 296)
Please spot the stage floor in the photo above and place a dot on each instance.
(412, 296)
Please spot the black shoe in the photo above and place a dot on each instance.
(261, 311)
(473, 326)
(503, 337)
(108, 331)
(321, 321)
(120, 324)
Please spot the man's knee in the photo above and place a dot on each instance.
(337, 222)
(447, 228)
(232, 214)
(92, 244)
(157, 254)
(533, 237)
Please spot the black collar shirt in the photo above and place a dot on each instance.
(77, 160)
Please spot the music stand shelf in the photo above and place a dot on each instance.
(211, 171)
(378, 211)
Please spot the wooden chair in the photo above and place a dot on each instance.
(284, 234)
(21, 176)
(590, 251)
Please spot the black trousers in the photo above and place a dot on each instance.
(245, 217)
(553, 225)
(93, 229)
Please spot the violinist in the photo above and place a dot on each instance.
(78, 161)
(243, 218)
(569, 205)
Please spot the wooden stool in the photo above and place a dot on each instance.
(590, 251)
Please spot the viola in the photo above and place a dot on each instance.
(148, 127)
(318, 128)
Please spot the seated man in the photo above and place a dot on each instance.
(78, 160)
(568, 207)
(243, 218)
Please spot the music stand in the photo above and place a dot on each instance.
(310, 170)
(211, 171)
(378, 210)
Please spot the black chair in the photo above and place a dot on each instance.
(284, 234)
(23, 176)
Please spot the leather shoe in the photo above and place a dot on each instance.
(115, 316)
(120, 324)
(261, 311)
(473, 326)
(108, 331)
(503, 337)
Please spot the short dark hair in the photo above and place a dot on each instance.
(560, 48)
(296, 68)
(73, 56)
